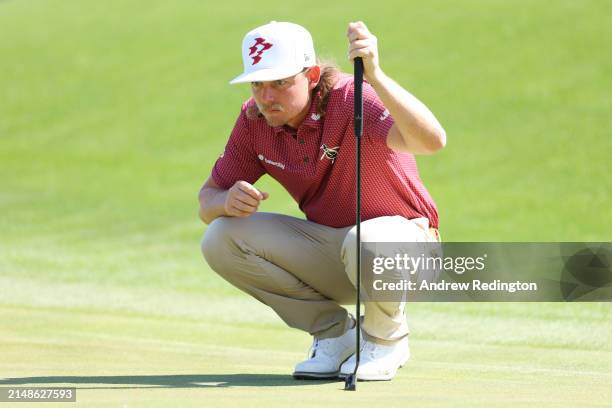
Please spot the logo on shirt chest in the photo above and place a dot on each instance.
(330, 153)
(270, 162)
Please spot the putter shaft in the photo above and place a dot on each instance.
(351, 380)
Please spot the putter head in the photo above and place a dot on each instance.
(349, 383)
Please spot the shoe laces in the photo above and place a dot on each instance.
(320, 345)
(369, 349)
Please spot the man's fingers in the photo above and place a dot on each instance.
(360, 44)
(239, 211)
(358, 35)
(243, 199)
(250, 190)
(247, 199)
(357, 31)
(357, 25)
(245, 207)
(361, 52)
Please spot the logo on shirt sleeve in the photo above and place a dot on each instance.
(384, 115)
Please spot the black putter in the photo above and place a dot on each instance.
(350, 382)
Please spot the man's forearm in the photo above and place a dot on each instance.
(419, 129)
(212, 203)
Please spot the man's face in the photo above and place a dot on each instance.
(285, 101)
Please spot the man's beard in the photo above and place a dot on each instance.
(273, 109)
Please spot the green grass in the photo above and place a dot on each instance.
(173, 347)
(112, 114)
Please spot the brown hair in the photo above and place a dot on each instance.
(330, 73)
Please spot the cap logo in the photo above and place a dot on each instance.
(258, 48)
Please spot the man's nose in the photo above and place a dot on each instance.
(267, 94)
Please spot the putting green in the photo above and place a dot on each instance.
(158, 348)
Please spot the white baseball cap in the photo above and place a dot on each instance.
(275, 51)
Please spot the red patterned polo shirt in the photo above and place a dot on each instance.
(316, 163)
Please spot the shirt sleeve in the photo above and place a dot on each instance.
(239, 160)
(376, 118)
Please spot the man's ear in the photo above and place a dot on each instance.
(314, 76)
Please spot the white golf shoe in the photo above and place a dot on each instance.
(326, 356)
(378, 362)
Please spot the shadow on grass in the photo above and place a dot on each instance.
(165, 381)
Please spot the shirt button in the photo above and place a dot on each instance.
(301, 140)
(306, 159)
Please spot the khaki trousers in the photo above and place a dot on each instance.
(305, 271)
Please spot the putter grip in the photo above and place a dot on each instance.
(358, 97)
